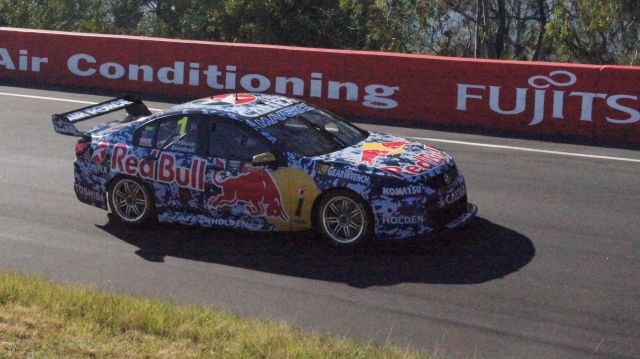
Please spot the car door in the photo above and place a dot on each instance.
(242, 194)
(175, 164)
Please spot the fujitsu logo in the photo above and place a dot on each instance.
(542, 89)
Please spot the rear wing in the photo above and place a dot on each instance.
(65, 123)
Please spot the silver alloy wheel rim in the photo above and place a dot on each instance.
(129, 200)
(343, 219)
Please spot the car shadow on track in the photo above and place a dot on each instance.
(480, 252)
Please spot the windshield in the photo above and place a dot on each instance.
(315, 132)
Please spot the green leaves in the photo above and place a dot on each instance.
(596, 32)
(592, 31)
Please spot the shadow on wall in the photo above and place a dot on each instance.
(480, 252)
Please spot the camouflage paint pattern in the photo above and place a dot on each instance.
(411, 189)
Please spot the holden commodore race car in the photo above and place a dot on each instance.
(264, 163)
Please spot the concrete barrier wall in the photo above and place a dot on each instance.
(585, 101)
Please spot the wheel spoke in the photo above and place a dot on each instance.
(331, 219)
(141, 201)
(135, 210)
(134, 191)
(355, 214)
(118, 193)
(338, 230)
(354, 226)
(334, 208)
(345, 206)
(347, 231)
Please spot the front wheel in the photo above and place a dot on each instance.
(130, 201)
(344, 219)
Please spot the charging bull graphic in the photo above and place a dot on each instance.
(373, 151)
(255, 189)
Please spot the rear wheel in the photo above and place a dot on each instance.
(130, 201)
(344, 219)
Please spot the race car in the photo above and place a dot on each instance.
(262, 163)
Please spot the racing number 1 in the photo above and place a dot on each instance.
(183, 125)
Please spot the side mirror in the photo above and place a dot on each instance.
(263, 159)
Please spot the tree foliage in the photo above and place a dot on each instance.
(591, 31)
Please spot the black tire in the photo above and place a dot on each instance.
(130, 201)
(344, 219)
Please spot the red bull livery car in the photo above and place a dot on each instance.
(262, 162)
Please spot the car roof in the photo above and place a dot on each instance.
(244, 107)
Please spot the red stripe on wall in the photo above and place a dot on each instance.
(584, 101)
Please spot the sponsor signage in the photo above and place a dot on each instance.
(253, 188)
(586, 101)
(373, 151)
(163, 170)
(100, 152)
(402, 219)
(349, 175)
(402, 191)
(455, 195)
(422, 162)
(97, 110)
(89, 194)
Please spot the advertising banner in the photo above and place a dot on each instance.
(583, 101)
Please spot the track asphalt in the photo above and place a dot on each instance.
(550, 269)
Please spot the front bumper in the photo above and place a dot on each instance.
(463, 218)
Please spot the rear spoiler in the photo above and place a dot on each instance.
(65, 123)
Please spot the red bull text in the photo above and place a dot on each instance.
(163, 169)
(423, 162)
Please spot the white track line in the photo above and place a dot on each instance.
(526, 149)
(513, 148)
(58, 99)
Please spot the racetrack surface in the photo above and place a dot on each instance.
(550, 269)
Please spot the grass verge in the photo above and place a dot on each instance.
(42, 319)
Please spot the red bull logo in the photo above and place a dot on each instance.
(100, 153)
(255, 189)
(373, 151)
(235, 99)
(422, 162)
(164, 169)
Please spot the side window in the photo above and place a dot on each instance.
(178, 133)
(233, 142)
(146, 135)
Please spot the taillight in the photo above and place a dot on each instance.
(82, 146)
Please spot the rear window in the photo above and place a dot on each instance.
(146, 135)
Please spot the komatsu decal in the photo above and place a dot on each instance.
(402, 191)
